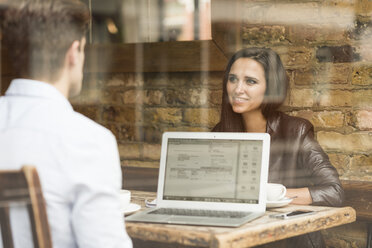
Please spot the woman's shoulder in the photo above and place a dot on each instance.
(217, 127)
(295, 120)
(284, 122)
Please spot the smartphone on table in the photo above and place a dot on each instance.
(292, 214)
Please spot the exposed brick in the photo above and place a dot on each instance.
(341, 162)
(123, 133)
(129, 133)
(202, 116)
(116, 80)
(152, 134)
(114, 128)
(362, 29)
(180, 96)
(263, 34)
(339, 3)
(337, 54)
(140, 163)
(335, 98)
(303, 77)
(337, 12)
(331, 73)
(153, 97)
(190, 129)
(187, 97)
(111, 97)
(87, 96)
(130, 151)
(124, 80)
(362, 75)
(362, 98)
(151, 151)
(329, 119)
(294, 57)
(362, 161)
(134, 96)
(364, 119)
(364, 8)
(215, 97)
(355, 142)
(163, 115)
(301, 97)
(364, 48)
(323, 119)
(90, 111)
(119, 114)
(199, 97)
(362, 166)
(315, 33)
(286, 100)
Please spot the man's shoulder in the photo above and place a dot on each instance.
(82, 124)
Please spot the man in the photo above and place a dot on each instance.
(76, 158)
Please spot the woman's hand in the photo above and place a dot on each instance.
(301, 196)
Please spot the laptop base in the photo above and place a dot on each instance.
(145, 216)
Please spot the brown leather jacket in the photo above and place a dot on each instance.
(297, 160)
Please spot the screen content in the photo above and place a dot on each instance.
(213, 170)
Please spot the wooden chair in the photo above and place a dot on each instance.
(23, 187)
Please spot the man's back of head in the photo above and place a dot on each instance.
(38, 33)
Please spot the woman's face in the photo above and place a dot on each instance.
(246, 85)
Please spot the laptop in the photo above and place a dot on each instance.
(208, 178)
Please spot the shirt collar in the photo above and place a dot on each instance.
(34, 88)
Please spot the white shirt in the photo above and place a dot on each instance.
(78, 165)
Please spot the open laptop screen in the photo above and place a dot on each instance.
(213, 170)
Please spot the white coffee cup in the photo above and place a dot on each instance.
(275, 191)
(124, 197)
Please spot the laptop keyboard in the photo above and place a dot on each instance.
(200, 212)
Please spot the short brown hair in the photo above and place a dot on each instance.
(38, 33)
(276, 87)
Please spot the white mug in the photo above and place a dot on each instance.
(275, 191)
(124, 197)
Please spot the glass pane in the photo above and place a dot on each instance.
(138, 21)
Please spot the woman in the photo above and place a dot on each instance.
(254, 87)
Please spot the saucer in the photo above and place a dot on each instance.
(131, 208)
(277, 204)
(150, 204)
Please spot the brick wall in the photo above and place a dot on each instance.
(138, 108)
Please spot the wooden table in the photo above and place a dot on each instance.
(260, 231)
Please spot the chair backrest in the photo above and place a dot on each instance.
(23, 187)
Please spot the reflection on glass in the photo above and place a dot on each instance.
(133, 21)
